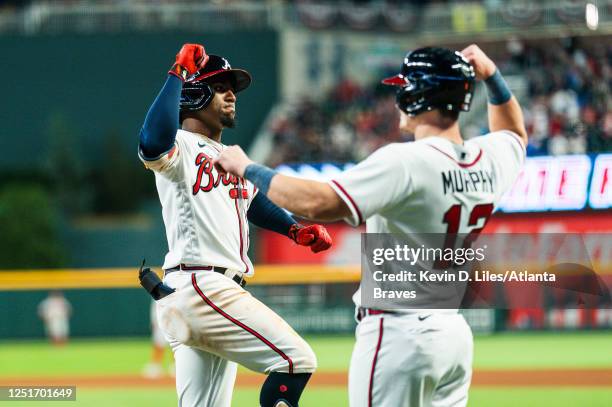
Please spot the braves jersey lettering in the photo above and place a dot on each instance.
(467, 181)
(208, 178)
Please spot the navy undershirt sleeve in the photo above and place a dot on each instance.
(266, 215)
(158, 132)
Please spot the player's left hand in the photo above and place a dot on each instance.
(232, 160)
(315, 236)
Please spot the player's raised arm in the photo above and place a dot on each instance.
(305, 198)
(504, 110)
(161, 123)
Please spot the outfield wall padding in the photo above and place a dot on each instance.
(94, 85)
(95, 312)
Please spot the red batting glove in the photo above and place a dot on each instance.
(190, 59)
(315, 236)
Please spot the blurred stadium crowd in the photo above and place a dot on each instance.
(395, 2)
(567, 108)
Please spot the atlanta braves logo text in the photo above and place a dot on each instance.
(208, 178)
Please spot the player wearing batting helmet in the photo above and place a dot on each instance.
(197, 91)
(210, 320)
(419, 355)
(433, 78)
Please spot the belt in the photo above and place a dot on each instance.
(364, 312)
(237, 277)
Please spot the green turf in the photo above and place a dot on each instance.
(124, 356)
(337, 397)
(544, 350)
(118, 397)
(333, 353)
(327, 397)
(84, 357)
(540, 397)
(503, 351)
(127, 356)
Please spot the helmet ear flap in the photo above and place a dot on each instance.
(412, 99)
(411, 104)
(195, 96)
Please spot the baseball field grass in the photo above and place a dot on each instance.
(534, 369)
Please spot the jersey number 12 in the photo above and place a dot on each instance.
(452, 218)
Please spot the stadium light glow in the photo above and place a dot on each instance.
(592, 16)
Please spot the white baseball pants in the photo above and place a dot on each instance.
(211, 322)
(411, 360)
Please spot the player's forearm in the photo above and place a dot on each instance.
(305, 198)
(308, 199)
(504, 110)
(161, 123)
(265, 214)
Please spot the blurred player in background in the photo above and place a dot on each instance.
(155, 369)
(211, 321)
(55, 312)
(415, 357)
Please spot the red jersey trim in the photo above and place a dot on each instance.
(246, 266)
(517, 139)
(380, 336)
(351, 200)
(462, 165)
(253, 332)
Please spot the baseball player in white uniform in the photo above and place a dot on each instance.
(210, 320)
(55, 312)
(415, 357)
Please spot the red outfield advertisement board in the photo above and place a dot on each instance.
(561, 183)
(276, 249)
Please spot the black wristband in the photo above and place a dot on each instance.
(497, 89)
(260, 176)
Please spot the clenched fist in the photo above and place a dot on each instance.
(315, 236)
(190, 59)
(484, 67)
(232, 160)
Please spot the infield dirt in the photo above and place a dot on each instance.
(482, 378)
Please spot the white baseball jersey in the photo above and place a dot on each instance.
(54, 308)
(205, 214)
(421, 357)
(431, 185)
(211, 322)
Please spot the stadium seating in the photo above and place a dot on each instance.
(566, 109)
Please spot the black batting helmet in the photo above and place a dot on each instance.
(197, 92)
(433, 78)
